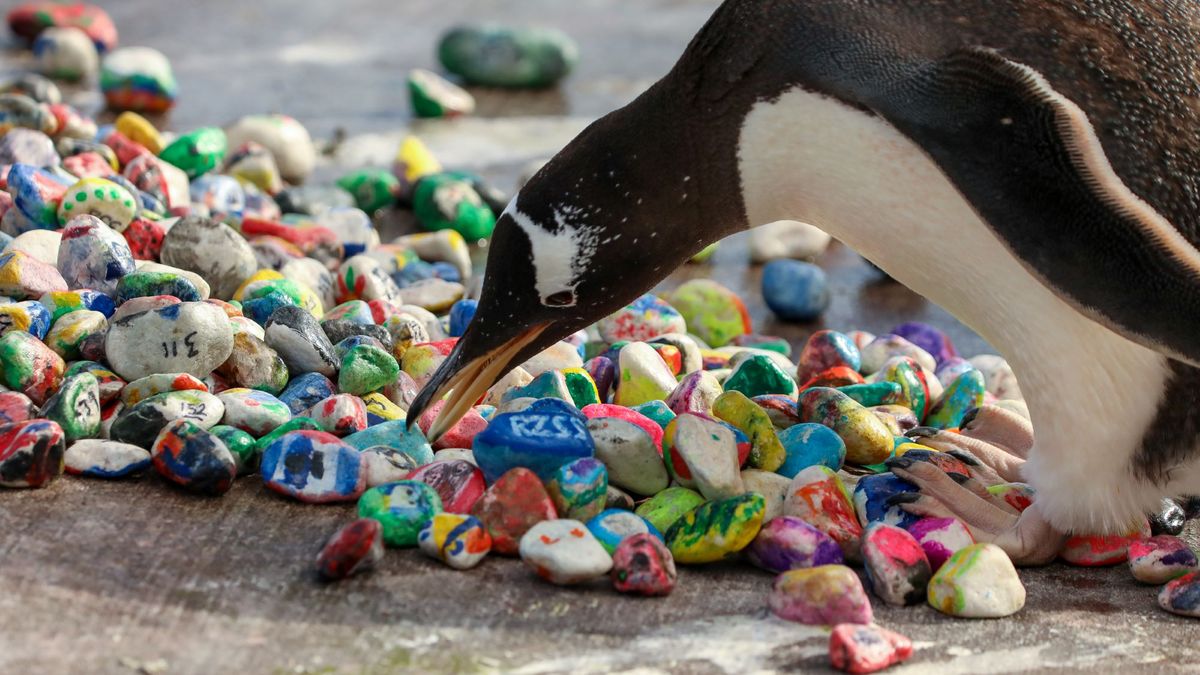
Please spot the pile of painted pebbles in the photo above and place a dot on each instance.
(171, 306)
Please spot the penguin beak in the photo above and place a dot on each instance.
(466, 378)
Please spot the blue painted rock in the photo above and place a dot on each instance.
(1160, 559)
(30, 316)
(871, 500)
(100, 458)
(394, 434)
(896, 565)
(1182, 596)
(403, 508)
(314, 467)
(788, 543)
(611, 526)
(461, 314)
(31, 453)
(541, 442)
(564, 552)
(825, 595)
(304, 391)
(795, 290)
(459, 483)
(810, 445)
(579, 489)
(642, 565)
(354, 548)
(459, 540)
(194, 459)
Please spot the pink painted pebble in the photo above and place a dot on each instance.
(855, 648)
(896, 565)
(825, 595)
(1160, 559)
(1102, 550)
(354, 548)
(818, 497)
(940, 538)
(642, 565)
(340, 414)
(788, 543)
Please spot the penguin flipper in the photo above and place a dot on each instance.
(1030, 162)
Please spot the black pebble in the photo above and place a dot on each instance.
(1168, 519)
(340, 329)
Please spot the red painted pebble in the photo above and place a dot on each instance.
(896, 565)
(642, 565)
(354, 548)
(461, 435)
(855, 648)
(514, 503)
(1102, 550)
(31, 453)
(1160, 559)
(458, 482)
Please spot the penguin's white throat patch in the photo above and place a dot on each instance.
(560, 257)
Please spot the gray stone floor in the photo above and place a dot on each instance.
(137, 577)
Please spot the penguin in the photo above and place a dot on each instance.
(1032, 166)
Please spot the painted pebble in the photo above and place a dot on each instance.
(189, 337)
(313, 467)
(716, 530)
(896, 565)
(141, 423)
(1182, 596)
(818, 497)
(1160, 559)
(628, 451)
(642, 565)
(825, 595)
(702, 454)
(75, 407)
(855, 648)
(766, 452)
(403, 508)
(668, 506)
(354, 548)
(810, 445)
(940, 538)
(459, 483)
(252, 411)
(787, 543)
(795, 290)
(458, 540)
(611, 526)
(192, 458)
(564, 552)
(539, 441)
(99, 458)
(511, 506)
(31, 453)
(978, 581)
(386, 465)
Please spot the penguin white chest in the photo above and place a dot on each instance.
(1091, 392)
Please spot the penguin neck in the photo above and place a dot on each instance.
(1091, 392)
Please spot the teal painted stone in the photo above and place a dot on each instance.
(808, 445)
(657, 411)
(501, 56)
(962, 395)
(874, 393)
(394, 434)
(612, 526)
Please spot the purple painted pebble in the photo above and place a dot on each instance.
(788, 543)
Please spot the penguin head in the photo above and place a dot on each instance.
(577, 243)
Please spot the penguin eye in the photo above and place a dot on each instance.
(560, 299)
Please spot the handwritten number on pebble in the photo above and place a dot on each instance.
(171, 348)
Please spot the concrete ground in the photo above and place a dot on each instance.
(136, 577)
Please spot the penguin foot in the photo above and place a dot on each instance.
(1024, 535)
(992, 462)
(1002, 428)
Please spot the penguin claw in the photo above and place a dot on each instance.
(1001, 428)
(1025, 536)
(990, 463)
